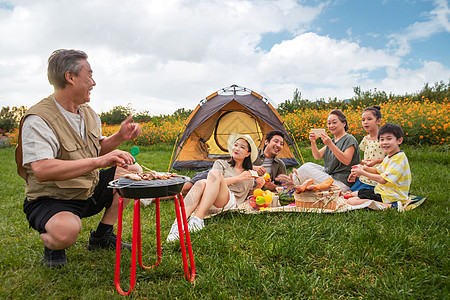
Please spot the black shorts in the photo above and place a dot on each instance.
(369, 194)
(39, 211)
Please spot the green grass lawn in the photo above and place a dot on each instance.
(358, 254)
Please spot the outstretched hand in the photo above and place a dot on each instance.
(129, 130)
(357, 170)
(368, 162)
(116, 158)
(259, 169)
(260, 182)
(351, 177)
(326, 139)
(313, 137)
(246, 175)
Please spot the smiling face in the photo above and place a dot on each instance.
(369, 122)
(240, 149)
(389, 143)
(274, 146)
(336, 127)
(83, 82)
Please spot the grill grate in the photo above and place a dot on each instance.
(130, 183)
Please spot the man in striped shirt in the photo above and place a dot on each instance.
(393, 175)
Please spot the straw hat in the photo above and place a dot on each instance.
(235, 136)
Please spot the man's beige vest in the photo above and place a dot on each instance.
(72, 147)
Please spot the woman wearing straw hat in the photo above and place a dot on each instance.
(227, 185)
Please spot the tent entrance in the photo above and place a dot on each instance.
(231, 122)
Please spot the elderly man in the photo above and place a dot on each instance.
(59, 154)
(267, 161)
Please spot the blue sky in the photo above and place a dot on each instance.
(163, 55)
(371, 24)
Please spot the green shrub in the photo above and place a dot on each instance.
(9, 118)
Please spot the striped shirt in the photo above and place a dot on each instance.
(395, 170)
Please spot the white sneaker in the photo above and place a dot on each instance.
(173, 234)
(146, 202)
(195, 224)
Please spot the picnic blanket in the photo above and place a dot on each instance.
(413, 202)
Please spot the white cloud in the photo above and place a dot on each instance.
(163, 55)
(311, 58)
(157, 55)
(398, 81)
(438, 20)
(404, 80)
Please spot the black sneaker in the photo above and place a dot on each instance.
(54, 258)
(107, 241)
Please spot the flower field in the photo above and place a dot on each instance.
(152, 134)
(425, 123)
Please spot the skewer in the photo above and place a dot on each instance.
(148, 169)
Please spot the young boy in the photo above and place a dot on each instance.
(393, 174)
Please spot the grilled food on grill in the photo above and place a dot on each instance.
(150, 175)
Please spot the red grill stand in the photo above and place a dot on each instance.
(136, 243)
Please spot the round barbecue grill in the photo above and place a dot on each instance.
(138, 189)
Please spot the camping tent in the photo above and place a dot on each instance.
(232, 109)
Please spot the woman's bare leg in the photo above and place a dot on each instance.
(200, 198)
(192, 199)
(216, 192)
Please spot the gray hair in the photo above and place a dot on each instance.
(61, 61)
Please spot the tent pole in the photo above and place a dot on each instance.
(295, 142)
(173, 151)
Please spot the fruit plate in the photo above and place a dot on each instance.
(254, 205)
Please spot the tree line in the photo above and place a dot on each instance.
(440, 91)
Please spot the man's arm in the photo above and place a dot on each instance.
(128, 131)
(270, 185)
(57, 169)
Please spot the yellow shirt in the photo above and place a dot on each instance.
(395, 170)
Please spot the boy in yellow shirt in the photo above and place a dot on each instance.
(393, 175)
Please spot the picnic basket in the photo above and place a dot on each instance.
(323, 199)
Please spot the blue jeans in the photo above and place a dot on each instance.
(359, 185)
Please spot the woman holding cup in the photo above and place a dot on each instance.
(340, 153)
